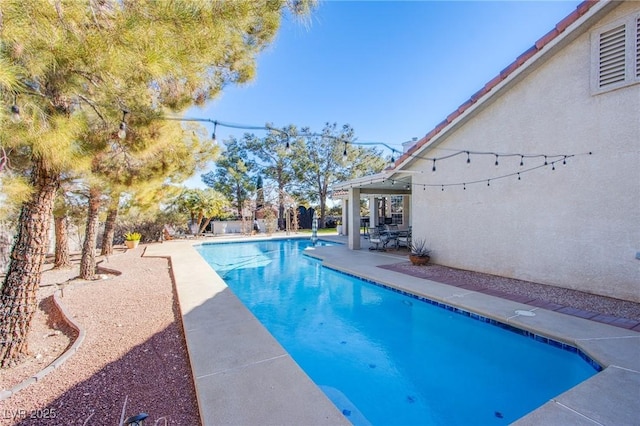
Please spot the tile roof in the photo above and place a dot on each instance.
(560, 27)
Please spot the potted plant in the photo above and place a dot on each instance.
(339, 227)
(132, 239)
(420, 254)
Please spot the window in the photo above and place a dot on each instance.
(615, 52)
(397, 207)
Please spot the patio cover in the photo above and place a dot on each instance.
(389, 182)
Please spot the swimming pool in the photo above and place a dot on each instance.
(386, 358)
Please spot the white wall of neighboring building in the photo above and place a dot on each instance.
(576, 227)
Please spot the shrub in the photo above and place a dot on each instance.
(132, 236)
(419, 247)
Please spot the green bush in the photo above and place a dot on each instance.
(132, 236)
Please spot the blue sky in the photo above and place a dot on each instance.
(391, 69)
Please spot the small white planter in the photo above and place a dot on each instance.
(131, 244)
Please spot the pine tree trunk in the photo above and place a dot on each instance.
(323, 210)
(19, 290)
(281, 207)
(88, 261)
(110, 226)
(62, 258)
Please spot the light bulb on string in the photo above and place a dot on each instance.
(488, 182)
(545, 160)
(15, 113)
(553, 165)
(213, 136)
(468, 159)
(464, 186)
(15, 110)
(442, 188)
(392, 161)
(564, 161)
(122, 130)
(521, 160)
(344, 153)
(496, 164)
(287, 147)
(518, 175)
(433, 169)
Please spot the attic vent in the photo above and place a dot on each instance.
(612, 56)
(638, 47)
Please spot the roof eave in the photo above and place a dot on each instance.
(378, 177)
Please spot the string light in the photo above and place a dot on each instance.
(488, 181)
(15, 110)
(393, 150)
(555, 158)
(122, 131)
(558, 157)
(123, 128)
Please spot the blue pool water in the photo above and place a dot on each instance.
(385, 358)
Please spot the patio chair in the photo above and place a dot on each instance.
(404, 239)
(377, 239)
(168, 233)
(392, 233)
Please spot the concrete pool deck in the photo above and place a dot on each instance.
(243, 376)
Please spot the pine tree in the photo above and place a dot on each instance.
(319, 161)
(73, 67)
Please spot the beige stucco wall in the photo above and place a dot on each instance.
(576, 227)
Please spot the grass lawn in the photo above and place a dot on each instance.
(320, 231)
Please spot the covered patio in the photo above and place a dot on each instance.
(389, 200)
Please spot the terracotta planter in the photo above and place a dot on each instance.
(419, 260)
(132, 244)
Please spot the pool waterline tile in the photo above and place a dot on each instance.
(542, 339)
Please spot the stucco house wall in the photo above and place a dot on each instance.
(577, 226)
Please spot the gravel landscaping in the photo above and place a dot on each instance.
(524, 289)
(134, 350)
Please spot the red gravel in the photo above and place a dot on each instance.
(134, 349)
(524, 291)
